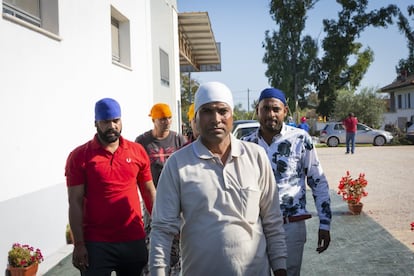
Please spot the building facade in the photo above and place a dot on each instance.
(401, 101)
(58, 59)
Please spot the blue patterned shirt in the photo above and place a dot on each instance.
(295, 162)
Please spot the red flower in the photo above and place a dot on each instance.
(352, 190)
(24, 255)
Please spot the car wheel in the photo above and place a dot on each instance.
(379, 141)
(333, 142)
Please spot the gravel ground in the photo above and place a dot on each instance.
(389, 171)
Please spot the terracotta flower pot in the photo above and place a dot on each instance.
(355, 208)
(23, 271)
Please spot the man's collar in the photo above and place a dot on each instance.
(204, 153)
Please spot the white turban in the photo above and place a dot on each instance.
(212, 92)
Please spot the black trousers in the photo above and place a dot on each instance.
(125, 258)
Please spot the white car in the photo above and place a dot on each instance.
(242, 129)
(334, 134)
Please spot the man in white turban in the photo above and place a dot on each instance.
(221, 193)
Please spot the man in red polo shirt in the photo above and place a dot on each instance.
(350, 124)
(103, 177)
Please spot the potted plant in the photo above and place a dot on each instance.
(69, 235)
(23, 260)
(352, 190)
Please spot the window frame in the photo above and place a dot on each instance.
(31, 16)
(164, 68)
(46, 22)
(123, 37)
(116, 56)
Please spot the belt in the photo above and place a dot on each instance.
(296, 218)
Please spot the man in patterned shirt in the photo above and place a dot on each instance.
(295, 163)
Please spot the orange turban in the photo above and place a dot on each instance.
(190, 112)
(160, 110)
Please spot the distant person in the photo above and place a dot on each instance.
(191, 118)
(160, 142)
(295, 164)
(224, 190)
(350, 124)
(105, 214)
(303, 124)
(291, 122)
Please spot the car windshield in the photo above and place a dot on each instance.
(241, 132)
(362, 127)
(238, 122)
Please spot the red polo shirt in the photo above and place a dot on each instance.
(350, 124)
(112, 211)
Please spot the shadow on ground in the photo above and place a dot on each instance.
(359, 246)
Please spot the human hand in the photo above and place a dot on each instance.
(80, 257)
(280, 272)
(324, 238)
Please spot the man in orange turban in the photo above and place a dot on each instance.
(191, 118)
(160, 142)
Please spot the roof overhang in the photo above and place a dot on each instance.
(401, 82)
(199, 51)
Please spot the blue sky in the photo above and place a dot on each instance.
(240, 25)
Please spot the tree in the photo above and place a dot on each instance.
(292, 61)
(334, 72)
(366, 105)
(406, 66)
(288, 56)
(188, 90)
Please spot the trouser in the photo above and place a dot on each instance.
(125, 258)
(350, 141)
(295, 242)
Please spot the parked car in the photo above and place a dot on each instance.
(410, 133)
(334, 134)
(238, 122)
(243, 128)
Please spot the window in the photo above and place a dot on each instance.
(399, 101)
(164, 68)
(115, 39)
(34, 14)
(28, 11)
(339, 127)
(361, 127)
(120, 38)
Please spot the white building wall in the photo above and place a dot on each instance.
(167, 40)
(48, 91)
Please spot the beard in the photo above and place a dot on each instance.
(272, 126)
(108, 136)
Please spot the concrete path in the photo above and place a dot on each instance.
(379, 241)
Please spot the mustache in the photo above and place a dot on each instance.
(112, 131)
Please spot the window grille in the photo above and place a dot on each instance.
(28, 11)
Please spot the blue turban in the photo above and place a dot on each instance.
(107, 109)
(273, 93)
